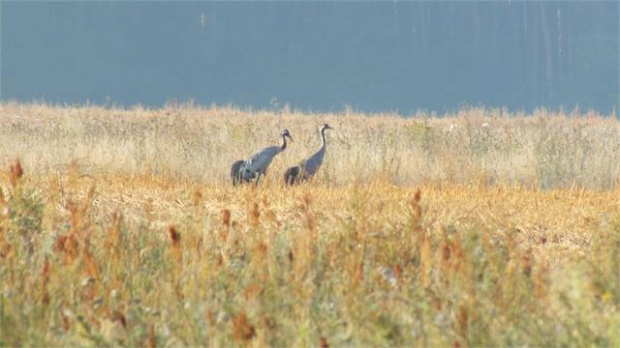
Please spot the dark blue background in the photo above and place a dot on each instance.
(322, 56)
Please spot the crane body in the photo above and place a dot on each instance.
(310, 166)
(256, 166)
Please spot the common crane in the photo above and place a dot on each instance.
(257, 164)
(310, 166)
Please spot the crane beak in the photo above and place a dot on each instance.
(290, 137)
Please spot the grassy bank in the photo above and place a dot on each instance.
(122, 228)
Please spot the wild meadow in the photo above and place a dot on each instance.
(483, 227)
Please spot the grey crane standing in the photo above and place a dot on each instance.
(308, 167)
(257, 164)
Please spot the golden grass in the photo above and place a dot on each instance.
(540, 150)
(121, 227)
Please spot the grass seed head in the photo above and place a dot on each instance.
(151, 341)
(175, 236)
(92, 267)
(415, 205)
(120, 317)
(197, 198)
(70, 248)
(15, 172)
(254, 215)
(243, 331)
(526, 259)
(463, 320)
(226, 218)
(177, 254)
(45, 278)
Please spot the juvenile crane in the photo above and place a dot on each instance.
(308, 167)
(257, 164)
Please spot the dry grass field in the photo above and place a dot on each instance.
(479, 228)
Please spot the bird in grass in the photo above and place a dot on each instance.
(256, 166)
(310, 166)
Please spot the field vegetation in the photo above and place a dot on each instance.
(120, 227)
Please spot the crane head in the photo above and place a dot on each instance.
(285, 133)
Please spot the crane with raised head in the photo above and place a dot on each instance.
(256, 166)
(310, 166)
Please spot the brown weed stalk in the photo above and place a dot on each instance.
(44, 280)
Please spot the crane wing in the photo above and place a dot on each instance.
(262, 159)
(313, 163)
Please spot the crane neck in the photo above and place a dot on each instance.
(283, 147)
(323, 138)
